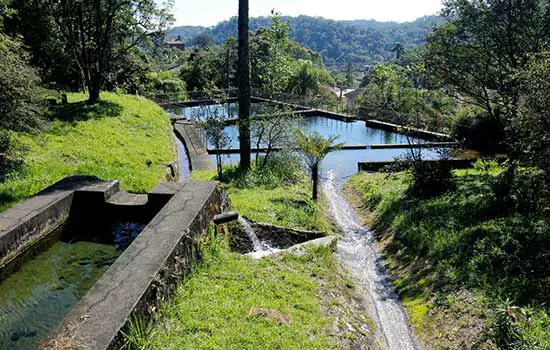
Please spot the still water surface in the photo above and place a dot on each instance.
(36, 297)
(343, 163)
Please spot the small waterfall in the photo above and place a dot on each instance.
(261, 249)
(258, 246)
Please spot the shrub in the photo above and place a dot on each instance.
(519, 327)
(480, 132)
(283, 168)
(166, 83)
(430, 178)
(524, 191)
(21, 104)
(487, 166)
(10, 155)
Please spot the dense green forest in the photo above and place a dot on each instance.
(339, 42)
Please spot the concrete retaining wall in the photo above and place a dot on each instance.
(198, 155)
(34, 218)
(423, 134)
(147, 272)
(283, 237)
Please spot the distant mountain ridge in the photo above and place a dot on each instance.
(339, 42)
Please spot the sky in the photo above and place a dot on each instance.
(210, 12)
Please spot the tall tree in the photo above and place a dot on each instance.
(99, 33)
(21, 106)
(271, 60)
(391, 95)
(531, 129)
(244, 87)
(398, 49)
(483, 48)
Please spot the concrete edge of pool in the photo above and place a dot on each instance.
(34, 218)
(197, 153)
(147, 271)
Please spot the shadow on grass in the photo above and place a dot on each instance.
(6, 200)
(82, 111)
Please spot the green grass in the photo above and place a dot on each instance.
(457, 256)
(212, 309)
(286, 205)
(124, 137)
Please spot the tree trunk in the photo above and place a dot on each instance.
(93, 95)
(94, 88)
(219, 165)
(315, 181)
(244, 86)
(267, 154)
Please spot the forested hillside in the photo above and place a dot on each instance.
(339, 42)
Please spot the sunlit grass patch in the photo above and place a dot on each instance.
(234, 302)
(124, 137)
(456, 256)
(286, 205)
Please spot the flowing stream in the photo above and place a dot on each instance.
(185, 167)
(357, 252)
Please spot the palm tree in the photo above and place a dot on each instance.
(399, 50)
(314, 148)
(244, 86)
(305, 80)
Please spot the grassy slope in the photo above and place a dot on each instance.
(288, 205)
(211, 310)
(447, 256)
(112, 140)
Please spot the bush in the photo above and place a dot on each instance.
(524, 191)
(166, 83)
(519, 328)
(479, 132)
(10, 156)
(21, 104)
(430, 179)
(283, 168)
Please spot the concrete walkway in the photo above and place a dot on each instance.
(188, 133)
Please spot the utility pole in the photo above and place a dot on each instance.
(244, 87)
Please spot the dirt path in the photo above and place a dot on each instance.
(359, 256)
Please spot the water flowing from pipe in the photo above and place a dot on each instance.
(363, 261)
(261, 249)
(256, 243)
